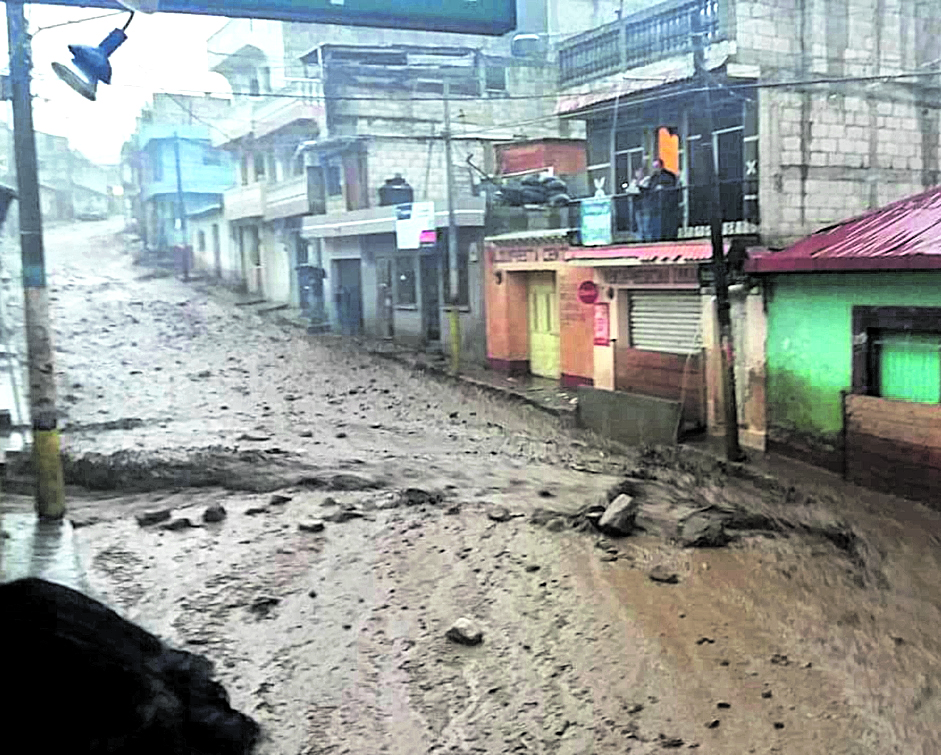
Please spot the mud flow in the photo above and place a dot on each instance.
(315, 521)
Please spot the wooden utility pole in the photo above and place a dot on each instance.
(50, 492)
(719, 270)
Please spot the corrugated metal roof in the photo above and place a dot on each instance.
(905, 235)
(664, 252)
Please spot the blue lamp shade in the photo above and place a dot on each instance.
(92, 63)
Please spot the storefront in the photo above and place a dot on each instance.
(537, 323)
(655, 311)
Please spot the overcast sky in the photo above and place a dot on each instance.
(164, 52)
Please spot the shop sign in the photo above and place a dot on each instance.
(602, 324)
(596, 221)
(587, 292)
(415, 225)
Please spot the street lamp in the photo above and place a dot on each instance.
(92, 62)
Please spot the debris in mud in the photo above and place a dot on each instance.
(279, 500)
(306, 434)
(499, 514)
(215, 513)
(315, 525)
(530, 568)
(261, 607)
(419, 497)
(705, 641)
(465, 631)
(778, 725)
(670, 743)
(609, 558)
(311, 593)
(84, 522)
(663, 575)
(345, 513)
(183, 523)
(255, 510)
(556, 524)
(254, 438)
(723, 706)
(147, 698)
(153, 517)
(780, 660)
(544, 493)
(713, 724)
(766, 694)
(453, 509)
(618, 518)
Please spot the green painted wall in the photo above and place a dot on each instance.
(809, 346)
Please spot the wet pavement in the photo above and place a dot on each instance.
(369, 504)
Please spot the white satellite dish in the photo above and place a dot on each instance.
(144, 6)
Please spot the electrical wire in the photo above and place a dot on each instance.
(81, 21)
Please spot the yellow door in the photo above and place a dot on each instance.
(543, 326)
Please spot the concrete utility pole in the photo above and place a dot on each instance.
(50, 493)
(181, 209)
(454, 277)
(727, 374)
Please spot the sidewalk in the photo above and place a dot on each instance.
(541, 393)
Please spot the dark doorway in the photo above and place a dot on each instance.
(384, 294)
(348, 297)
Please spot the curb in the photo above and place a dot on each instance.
(567, 417)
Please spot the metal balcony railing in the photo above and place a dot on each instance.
(648, 36)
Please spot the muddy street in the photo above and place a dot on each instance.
(360, 508)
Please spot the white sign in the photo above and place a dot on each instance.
(415, 225)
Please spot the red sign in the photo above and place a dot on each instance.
(587, 292)
(602, 324)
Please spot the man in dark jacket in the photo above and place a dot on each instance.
(662, 204)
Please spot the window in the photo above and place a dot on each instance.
(334, 182)
(157, 166)
(244, 170)
(316, 192)
(201, 241)
(354, 175)
(211, 157)
(298, 166)
(259, 163)
(405, 282)
(910, 366)
(495, 78)
(897, 353)
(254, 88)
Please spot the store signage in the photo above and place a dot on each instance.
(415, 225)
(596, 221)
(587, 292)
(602, 324)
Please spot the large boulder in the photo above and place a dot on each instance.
(108, 686)
(704, 530)
(620, 516)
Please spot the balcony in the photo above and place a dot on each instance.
(286, 199)
(658, 33)
(300, 103)
(245, 202)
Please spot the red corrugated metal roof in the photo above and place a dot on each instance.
(664, 252)
(905, 235)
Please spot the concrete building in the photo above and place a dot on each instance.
(814, 120)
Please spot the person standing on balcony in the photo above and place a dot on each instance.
(661, 202)
(639, 192)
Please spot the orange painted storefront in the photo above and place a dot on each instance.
(512, 261)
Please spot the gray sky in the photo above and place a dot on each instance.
(164, 52)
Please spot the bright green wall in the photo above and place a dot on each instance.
(809, 347)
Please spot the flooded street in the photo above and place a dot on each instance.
(368, 506)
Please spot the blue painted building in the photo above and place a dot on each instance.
(206, 173)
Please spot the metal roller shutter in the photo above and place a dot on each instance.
(667, 321)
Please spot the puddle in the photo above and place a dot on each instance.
(39, 549)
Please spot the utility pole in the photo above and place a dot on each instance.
(454, 278)
(181, 209)
(50, 492)
(733, 450)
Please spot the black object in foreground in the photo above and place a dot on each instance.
(81, 679)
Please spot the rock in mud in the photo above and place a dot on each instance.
(620, 515)
(279, 500)
(465, 631)
(555, 525)
(183, 523)
(124, 686)
(255, 510)
(418, 497)
(352, 482)
(663, 575)
(315, 525)
(215, 513)
(154, 517)
(704, 531)
(499, 514)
